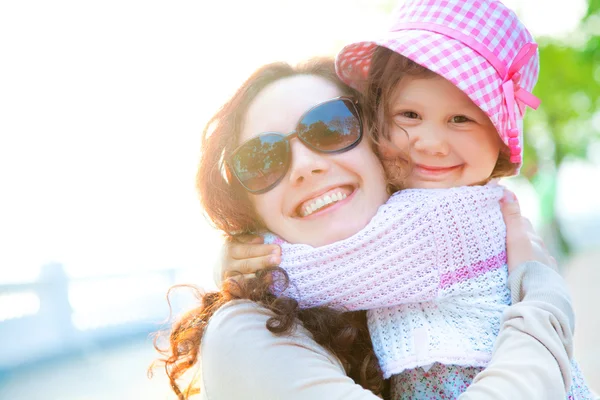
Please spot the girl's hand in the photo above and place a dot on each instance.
(522, 243)
(245, 254)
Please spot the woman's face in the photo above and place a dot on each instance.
(352, 182)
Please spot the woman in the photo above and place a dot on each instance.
(265, 347)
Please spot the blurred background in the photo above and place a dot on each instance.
(101, 109)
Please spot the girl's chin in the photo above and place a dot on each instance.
(421, 184)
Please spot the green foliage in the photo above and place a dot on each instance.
(569, 87)
(593, 8)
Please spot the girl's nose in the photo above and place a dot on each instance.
(429, 141)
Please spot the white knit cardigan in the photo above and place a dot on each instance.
(430, 268)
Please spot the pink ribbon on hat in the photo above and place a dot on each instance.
(514, 94)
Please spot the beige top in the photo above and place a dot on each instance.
(241, 359)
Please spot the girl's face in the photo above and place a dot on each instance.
(294, 208)
(451, 141)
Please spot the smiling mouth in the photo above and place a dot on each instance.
(435, 171)
(324, 201)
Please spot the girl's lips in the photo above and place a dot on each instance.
(435, 171)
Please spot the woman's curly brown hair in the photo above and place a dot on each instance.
(227, 205)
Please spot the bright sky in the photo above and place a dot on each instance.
(102, 105)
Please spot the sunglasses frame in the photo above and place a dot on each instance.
(294, 134)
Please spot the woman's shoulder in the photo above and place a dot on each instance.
(241, 358)
(241, 322)
(232, 320)
(237, 310)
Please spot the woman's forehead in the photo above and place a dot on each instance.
(279, 106)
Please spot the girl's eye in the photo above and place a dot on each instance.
(409, 114)
(403, 118)
(459, 119)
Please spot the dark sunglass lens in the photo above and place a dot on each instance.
(261, 161)
(332, 126)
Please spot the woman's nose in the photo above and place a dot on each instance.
(306, 163)
(429, 140)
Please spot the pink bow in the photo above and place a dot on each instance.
(515, 93)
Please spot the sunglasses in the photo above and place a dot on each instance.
(333, 126)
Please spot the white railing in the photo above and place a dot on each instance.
(56, 315)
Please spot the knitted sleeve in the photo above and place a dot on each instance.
(416, 247)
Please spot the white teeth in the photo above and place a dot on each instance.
(322, 202)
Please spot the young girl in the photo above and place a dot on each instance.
(447, 86)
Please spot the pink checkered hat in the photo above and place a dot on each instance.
(478, 45)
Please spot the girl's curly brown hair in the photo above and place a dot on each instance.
(227, 205)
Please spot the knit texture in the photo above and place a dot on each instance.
(431, 269)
